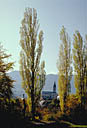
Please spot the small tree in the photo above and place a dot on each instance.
(64, 68)
(5, 80)
(33, 75)
(6, 86)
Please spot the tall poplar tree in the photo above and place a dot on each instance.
(84, 95)
(85, 65)
(33, 75)
(64, 68)
(78, 62)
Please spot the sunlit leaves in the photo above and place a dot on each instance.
(80, 65)
(33, 75)
(64, 67)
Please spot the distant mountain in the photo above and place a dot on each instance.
(18, 91)
(50, 79)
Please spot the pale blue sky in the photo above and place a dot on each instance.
(52, 14)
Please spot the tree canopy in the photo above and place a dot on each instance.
(33, 74)
(5, 81)
(64, 68)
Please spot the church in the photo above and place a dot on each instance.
(49, 95)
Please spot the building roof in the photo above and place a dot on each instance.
(48, 92)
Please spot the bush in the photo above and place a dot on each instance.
(74, 112)
(72, 104)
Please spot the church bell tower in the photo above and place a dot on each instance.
(54, 87)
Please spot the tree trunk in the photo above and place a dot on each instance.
(32, 98)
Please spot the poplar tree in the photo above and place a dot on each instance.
(64, 68)
(85, 65)
(33, 74)
(79, 64)
(85, 71)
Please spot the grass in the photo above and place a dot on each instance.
(78, 126)
(71, 125)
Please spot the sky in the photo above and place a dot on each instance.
(52, 15)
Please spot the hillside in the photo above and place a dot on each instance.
(50, 79)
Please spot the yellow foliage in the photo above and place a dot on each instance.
(71, 103)
(64, 68)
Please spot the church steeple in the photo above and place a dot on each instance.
(54, 87)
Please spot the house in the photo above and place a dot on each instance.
(49, 95)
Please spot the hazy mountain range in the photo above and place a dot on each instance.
(50, 79)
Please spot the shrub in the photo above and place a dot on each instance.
(72, 104)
